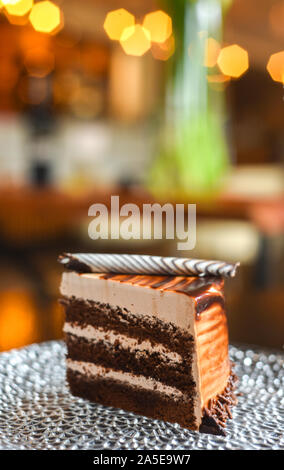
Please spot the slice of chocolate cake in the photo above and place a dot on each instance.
(149, 342)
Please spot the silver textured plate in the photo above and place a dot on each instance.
(38, 412)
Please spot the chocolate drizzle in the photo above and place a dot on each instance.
(207, 301)
(199, 286)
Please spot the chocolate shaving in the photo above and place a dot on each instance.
(218, 409)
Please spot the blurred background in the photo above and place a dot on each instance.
(177, 101)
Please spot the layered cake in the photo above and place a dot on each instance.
(149, 335)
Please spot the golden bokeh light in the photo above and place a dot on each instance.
(135, 40)
(46, 17)
(9, 2)
(212, 50)
(218, 81)
(39, 62)
(17, 20)
(218, 78)
(28, 38)
(165, 50)
(233, 61)
(21, 8)
(116, 21)
(275, 66)
(17, 320)
(159, 24)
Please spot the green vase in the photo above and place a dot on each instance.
(193, 157)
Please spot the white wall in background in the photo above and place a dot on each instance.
(13, 148)
(104, 151)
(107, 151)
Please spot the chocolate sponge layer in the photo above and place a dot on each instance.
(143, 402)
(144, 363)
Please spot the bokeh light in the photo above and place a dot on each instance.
(39, 62)
(17, 13)
(135, 40)
(218, 78)
(165, 50)
(17, 20)
(159, 24)
(275, 66)
(29, 38)
(46, 17)
(233, 61)
(10, 2)
(212, 50)
(116, 21)
(17, 320)
(218, 81)
(20, 8)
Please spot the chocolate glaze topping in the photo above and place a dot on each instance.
(205, 291)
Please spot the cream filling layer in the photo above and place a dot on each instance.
(170, 307)
(98, 334)
(93, 370)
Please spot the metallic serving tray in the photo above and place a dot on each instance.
(38, 412)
